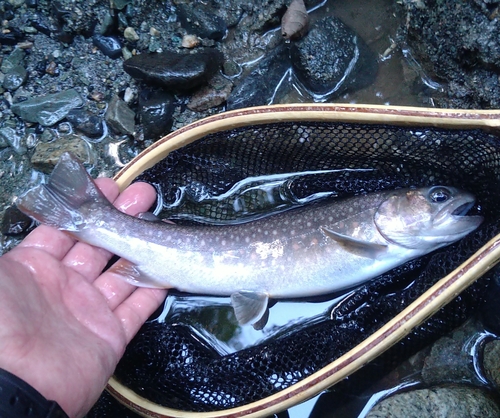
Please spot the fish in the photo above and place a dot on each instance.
(301, 253)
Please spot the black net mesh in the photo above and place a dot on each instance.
(169, 363)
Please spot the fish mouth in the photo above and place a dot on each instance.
(460, 221)
(463, 209)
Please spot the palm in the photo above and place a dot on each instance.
(65, 325)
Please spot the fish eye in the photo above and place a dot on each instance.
(439, 194)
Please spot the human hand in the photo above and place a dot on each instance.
(64, 324)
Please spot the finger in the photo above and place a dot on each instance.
(50, 240)
(137, 308)
(88, 260)
(114, 288)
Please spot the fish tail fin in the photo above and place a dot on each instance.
(58, 203)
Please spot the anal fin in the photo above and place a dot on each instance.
(250, 307)
(132, 274)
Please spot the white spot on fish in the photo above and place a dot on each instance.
(273, 249)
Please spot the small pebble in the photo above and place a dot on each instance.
(130, 34)
(108, 45)
(129, 95)
(190, 41)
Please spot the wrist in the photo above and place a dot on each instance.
(18, 399)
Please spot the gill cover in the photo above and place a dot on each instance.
(427, 218)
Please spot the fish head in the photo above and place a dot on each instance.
(426, 218)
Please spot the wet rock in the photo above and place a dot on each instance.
(13, 37)
(120, 4)
(15, 222)
(48, 110)
(174, 70)
(15, 78)
(199, 18)
(439, 402)
(448, 362)
(155, 112)
(108, 45)
(86, 122)
(47, 153)
(4, 132)
(120, 117)
(17, 3)
(10, 137)
(332, 59)
(14, 59)
(260, 87)
(458, 45)
(210, 96)
(491, 362)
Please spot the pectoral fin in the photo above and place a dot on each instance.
(250, 307)
(151, 217)
(131, 273)
(356, 246)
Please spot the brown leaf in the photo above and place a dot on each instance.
(295, 21)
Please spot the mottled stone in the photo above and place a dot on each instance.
(47, 153)
(333, 59)
(261, 86)
(155, 111)
(491, 362)
(120, 117)
(48, 110)
(86, 122)
(458, 45)
(108, 45)
(15, 222)
(199, 18)
(174, 70)
(439, 402)
(3, 138)
(15, 78)
(10, 137)
(14, 59)
(212, 95)
(448, 362)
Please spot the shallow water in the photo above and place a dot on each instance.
(400, 79)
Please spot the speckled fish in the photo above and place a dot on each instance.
(299, 253)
